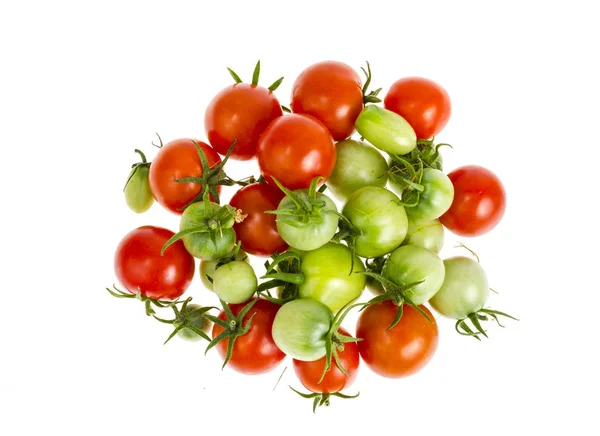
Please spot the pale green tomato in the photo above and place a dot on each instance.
(436, 198)
(207, 268)
(138, 195)
(465, 289)
(411, 264)
(235, 282)
(425, 233)
(386, 130)
(357, 165)
(300, 329)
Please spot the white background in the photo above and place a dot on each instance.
(84, 83)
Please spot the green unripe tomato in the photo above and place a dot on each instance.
(386, 130)
(138, 195)
(207, 268)
(428, 234)
(235, 282)
(436, 198)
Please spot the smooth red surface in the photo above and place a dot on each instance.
(479, 201)
(258, 232)
(139, 264)
(176, 160)
(309, 373)
(401, 351)
(295, 149)
(255, 352)
(331, 92)
(241, 112)
(421, 102)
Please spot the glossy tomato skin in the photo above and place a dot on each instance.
(258, 232)
(241, 111)
(295, 149)
(176, 160)
(331, 92)
(401, 351)
(139, 264)
(309, 373)
(479, 201)
(421, 102)
(255, 352)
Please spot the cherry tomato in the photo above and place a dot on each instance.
(139, 264)
(295, 149)
(254, 352)
(421, 102)
(258, 232)
(176, 160)
(479, 201)
(241, 111)
(331, 92)
(401, 351)
(309, 373)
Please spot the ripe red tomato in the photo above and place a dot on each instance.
(139, 264)
(255, 352)
(332, 93)
(241, 111)
(309, 373)
(176, 160)
(404, 349)
(258, 232)
(479, 201)
(295, 149)
(421, 102)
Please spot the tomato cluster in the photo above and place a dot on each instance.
(352, 195)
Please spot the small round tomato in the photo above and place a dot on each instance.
(379, 218)
(195, 316)
(240, 112)
(258, 232)
(328, 278)
(465, 289)
(235, 282)
(428, 234)
(139, 264)
(176, 160)
(357, 165)
(138, 195)
(479, 201)
(254, 352)
(402, 350)
(386, 130)
(436, 197)
(300, 328)
(207, 268)
(411, 264)
(309, 373)
(422, 102)
(295, 149)
(331, 92)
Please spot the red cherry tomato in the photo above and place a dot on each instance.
(295, 149)
(139, 264)
(479, 201)
(332, 93)
(241, 111)
(402, 350)
(176, 160)
(254, 352)
(258, 232)
(309, 373)
(421, 102)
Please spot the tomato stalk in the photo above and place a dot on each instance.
(320, 399)
(371, 97)
(233, 327)
(395, 293)
(148, 302)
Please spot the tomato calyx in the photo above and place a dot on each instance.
(208, 220)
(322, 399)
(148, 302)
(309, 207)
(183, 319)
(213, 177)
(429, 153)
(233, 327)
(395, 293)
(463, 328)
(255, 77)
(371, 97)
(289, 277)
(136, 166)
